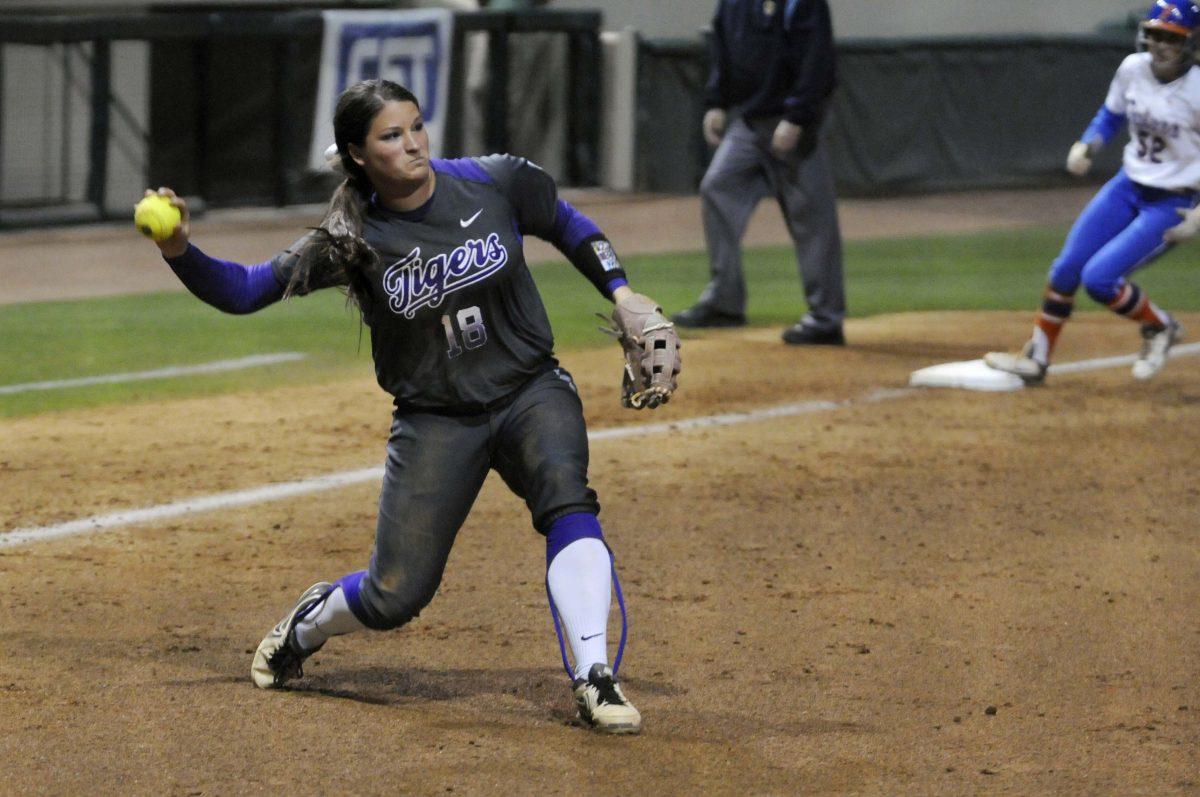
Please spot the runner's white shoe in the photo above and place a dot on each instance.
(603, 705)
(278, 658)
(1023, 365)
(1155, 345)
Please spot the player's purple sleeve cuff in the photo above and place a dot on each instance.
(571, 227)
(1104, 126)
(227, 286)
(578, 237)
(617, 283)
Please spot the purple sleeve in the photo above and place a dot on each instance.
(578, 237)
(227, 286)
(1104, 126)
(571, 228)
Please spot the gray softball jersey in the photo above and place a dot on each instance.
(456, 320)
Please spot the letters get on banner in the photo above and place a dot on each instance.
(409, 47)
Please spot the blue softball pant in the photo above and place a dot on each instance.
(1119, 231)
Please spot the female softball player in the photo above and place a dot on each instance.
(1135, 216)
(430, 251)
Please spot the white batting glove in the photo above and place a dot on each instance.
(1186, 229)
(1079, 159)
(714, 126)
(786, 137)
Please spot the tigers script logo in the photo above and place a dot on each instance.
(413, 283)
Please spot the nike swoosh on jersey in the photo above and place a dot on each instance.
(467, 222)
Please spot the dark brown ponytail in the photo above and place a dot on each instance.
(336, 254)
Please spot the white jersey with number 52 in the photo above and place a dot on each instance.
(1164, 124)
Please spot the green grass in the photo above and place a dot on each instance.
(45, 341)
(982, 271)
(62, 340)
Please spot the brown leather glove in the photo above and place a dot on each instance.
(651, 350)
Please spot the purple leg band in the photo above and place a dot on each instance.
(569, 528)
(351, 584)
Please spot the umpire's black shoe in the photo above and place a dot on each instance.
(804, 335)
(701, 316)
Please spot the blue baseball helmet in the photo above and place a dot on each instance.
(1179, 17)
(1176, 16)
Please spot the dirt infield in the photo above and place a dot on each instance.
(900, 592)
(915, 592)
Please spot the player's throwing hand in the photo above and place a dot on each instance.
(177, 243)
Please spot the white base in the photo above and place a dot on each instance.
(968, 375)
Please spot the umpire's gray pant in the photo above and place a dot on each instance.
(743, 171)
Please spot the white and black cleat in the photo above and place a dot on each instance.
(602, 704)
(1031, 371)
(1156, 343)
(278, 658)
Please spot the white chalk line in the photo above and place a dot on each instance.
(189, 506)
(275, 492)
(1125, 359)
(218, 366)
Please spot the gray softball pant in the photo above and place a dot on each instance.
(436, 465)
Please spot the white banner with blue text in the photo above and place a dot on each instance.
(410, 47)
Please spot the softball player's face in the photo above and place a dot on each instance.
(1166, 47)
(396, 150)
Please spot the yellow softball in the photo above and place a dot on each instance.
(156, 217)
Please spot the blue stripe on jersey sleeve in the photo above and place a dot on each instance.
(464, 168)
(1104, 126)
(571, 227)
(227, 286)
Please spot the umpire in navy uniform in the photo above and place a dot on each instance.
(773, 71)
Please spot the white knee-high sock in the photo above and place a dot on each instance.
(332, 618)
(580, 581)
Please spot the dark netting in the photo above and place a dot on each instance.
(908, 115)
